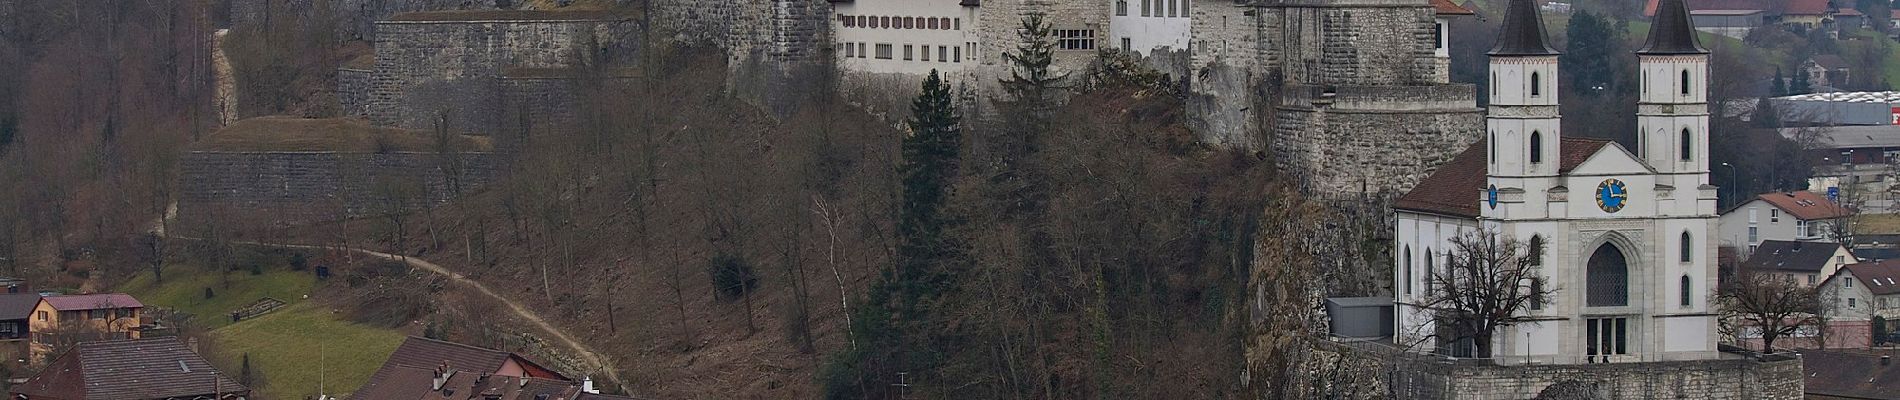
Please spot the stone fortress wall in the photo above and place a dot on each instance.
(1374, 371)
(430, 65)
(292, 188)
(352, 91)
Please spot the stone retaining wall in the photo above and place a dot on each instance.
(429, 69)
(1371, 371)
(352, 92)
(293, 188)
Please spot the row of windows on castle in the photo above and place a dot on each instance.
(1607, 281)
(889, 22)
(1066, 39)
(1156, 8)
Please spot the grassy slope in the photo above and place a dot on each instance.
(184, 286)
(285, 345)
(301, 345)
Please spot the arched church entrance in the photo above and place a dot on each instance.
(1606, 285)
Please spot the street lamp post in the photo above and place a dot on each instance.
(1731, 180)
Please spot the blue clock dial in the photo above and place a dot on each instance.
(1491, 196)
(1612, 195)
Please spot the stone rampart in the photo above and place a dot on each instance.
(1378, 371)
(352, 91)
(293, 188)
(542, 102)
(434, 65)
(1345, 142)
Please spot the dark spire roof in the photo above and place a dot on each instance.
(1672, 32)
(1523, 32)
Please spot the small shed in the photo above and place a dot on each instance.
(1360, 317)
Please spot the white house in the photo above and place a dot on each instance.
(1789, 216)
(906, 36)
(1146, 26)
(1626, 235)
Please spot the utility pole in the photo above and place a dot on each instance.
(901, 385)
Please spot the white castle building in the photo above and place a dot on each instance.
(1627, 234)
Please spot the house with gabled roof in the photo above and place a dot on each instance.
(1787, 216)
(132, 369)
(429, 369)
(1807, 263)
(66, 319)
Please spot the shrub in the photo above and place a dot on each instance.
(732, 276)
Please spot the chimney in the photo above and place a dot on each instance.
(441, 377)
(587, 385)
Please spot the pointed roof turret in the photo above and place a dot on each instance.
(1523, 32)
(1672, 32)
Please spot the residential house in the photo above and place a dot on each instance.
(1807, 263)
(1792, 216)
(1826, 71)
(131, 369)
(429, 369)
(1808, 14)
(1731, 23)
(1797, 15)
(92, 316)
(1853, 296)
(16, 310)
(1845, 374)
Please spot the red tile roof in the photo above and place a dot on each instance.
(412, 383)
(425, 353)
(1881, 278)
(1446, 7)
(1805, 205)
(1649, 9)
(1845, 374)
(93, 301)
(1453, 189)
(18, 305)
(1806, 7)
(1847, 12)
(152, 368)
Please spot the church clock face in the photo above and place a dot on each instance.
(1491, 196)
(1612, 195)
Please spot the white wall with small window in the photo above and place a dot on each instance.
(905, 36)
(1145, 26)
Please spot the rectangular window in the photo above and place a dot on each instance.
(846, 20)
(1147, 8)
(958, 23)
(956, 54)
(1850, 282)
(1604, 337)
(1075, 39)
(1852, 302)
(861, 52)
(850, 50)
(926, 55)
(1172, 11)
(1438, 35)
(1121, 8)
(931, 22)
(1751, 215)
(1801, 227)
(884, 51)
(42, 315)
(1774, 215)
(943, 53)
(1811, 278)
(1753, 237)
(909, 53)
(861, 21)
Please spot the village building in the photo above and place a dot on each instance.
(1786, 216)
(1807, 263)
(91, 316)
(1857, 296)
(1850, 374)
(1626, 237)
(429, 369)
(132, 369)
(907, 36)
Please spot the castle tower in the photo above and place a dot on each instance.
(1523, 127)
(1673, 110)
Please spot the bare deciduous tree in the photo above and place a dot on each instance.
(1773, 304)
(1485, 285)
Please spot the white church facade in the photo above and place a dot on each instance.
(1627, 236)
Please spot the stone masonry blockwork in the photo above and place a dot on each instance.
(290, 188)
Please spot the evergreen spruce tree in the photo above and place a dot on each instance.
(893, 331)
(1034, 92)
(1799, 85)
(1781, 84)
(1594, 57)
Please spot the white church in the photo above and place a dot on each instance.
(1628, 235)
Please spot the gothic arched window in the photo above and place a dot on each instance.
(1536, 250)
(1537, 85)
(1537, 288)
(1537, 147)
(1408, 270)
(1688, 144)
(1688, 247)
(1493, 144)
(1430, 272)
(1607, 278)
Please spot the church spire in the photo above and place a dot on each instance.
(1523, 32)
(1672, 32)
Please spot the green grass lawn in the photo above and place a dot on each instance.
(303, 344)
(184, 287)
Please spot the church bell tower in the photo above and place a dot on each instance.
(1522, 129)
(1673, 109)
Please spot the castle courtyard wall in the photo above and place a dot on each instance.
(427, 69)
